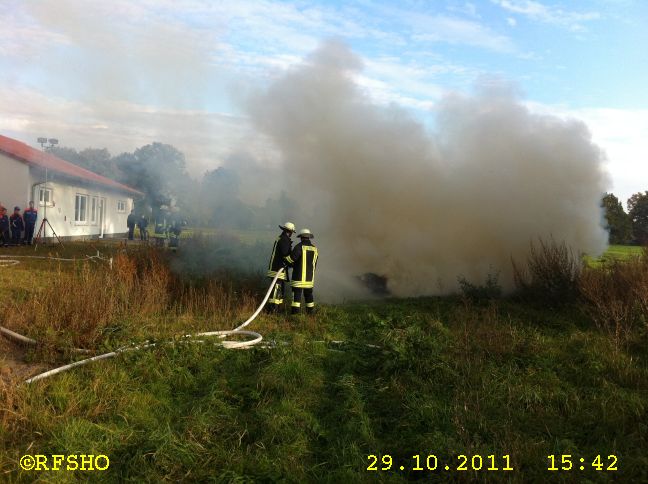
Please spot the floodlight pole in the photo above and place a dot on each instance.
(52, 142)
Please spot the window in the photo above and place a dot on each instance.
(121, 206)
(81, 209)
(93, 210)
(45, 196)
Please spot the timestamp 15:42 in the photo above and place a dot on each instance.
(567, 462)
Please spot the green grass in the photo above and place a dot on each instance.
(615, 252)
(33, 273)
(448, 378)
(623, 251)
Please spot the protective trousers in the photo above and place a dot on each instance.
(276, 297)
(29, 233)
(297, 297)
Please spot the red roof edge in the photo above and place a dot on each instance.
(32, 156)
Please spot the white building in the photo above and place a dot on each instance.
(77, 202)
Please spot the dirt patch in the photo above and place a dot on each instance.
(13, 365)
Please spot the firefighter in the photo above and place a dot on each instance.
(175, 231)
(304, 261)
(30, 216)
(130, 223)
(17, 225)
(280, 258)
(143, 224)
(160, 233)
(4, 226)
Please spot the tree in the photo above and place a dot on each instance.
(279, 210)
(100, 161)
(221, 205)
(638, 210)
(158, 170)
(97, 160)
(618, 221)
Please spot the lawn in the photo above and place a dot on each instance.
(505, 383)
(615, 252)
(621, 251)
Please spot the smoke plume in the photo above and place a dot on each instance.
(419, 206)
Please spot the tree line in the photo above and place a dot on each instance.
(627, 227)
(160, 171)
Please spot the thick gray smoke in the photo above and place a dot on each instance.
(423, 208)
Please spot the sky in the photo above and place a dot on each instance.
(122, 74)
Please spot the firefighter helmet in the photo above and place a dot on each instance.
(289, 226)
(306, 233)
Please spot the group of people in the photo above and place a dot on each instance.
(302, 259)
(17, 229)
(133, 221)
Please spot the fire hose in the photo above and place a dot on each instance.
(256, 338)
(12, 260)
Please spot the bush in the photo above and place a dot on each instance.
(551, 275)
(489, 291)
(615, 296)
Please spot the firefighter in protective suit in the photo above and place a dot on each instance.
(304, 262)
(280, 258)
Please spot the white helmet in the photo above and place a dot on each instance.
(306, 233)
(288, 226)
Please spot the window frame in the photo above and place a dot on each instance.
(50, 198)
(94, 206)
(123, 209)
(77, 208)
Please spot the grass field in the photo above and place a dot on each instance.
(449, 377)
(616, 252)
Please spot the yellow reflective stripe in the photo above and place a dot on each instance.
(315, 255)
(275, 301)
(310, 305)
(274, 250)
(274, 273)
(301, 285)
(296, 304)
(304, 274)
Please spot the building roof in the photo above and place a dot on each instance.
(35, 157)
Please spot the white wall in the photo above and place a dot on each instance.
(14, 183)
(17, 181)
(61, 212)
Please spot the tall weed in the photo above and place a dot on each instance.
(551, 274)
(615, 296)
(79, 307)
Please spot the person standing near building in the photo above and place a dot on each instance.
(17, 225)
(143, 224)
(30, 216)
(304, 261)
(4, 227)
(280, 258)
(130, 223)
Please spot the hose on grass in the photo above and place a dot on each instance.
(256, 338)
(11, 260)
(19, 338)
